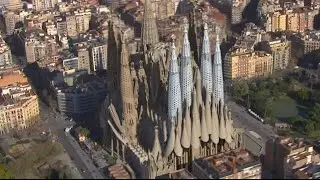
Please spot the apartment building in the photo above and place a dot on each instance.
(61, 25)
(305, 43)
(39, 46)
(284, 156)
(98, 55)
(11, 4)
(37, 19)
(235, 164)
(83, 57)
(69, 60)
(83, 98)
(71, 25)
(295, 20)
(5, 54)
(50, 28)
(11, 18)
(247, 64)
(82, 18)
(73, 22)
(237, 8)
(19, 106)
(280, 50)
(242, 61)
(41, 5)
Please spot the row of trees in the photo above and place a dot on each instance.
(261, 94)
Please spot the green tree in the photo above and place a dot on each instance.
(310, 127)
(240, 89)
(315, 96)
(303, 94)
(4, 173)
(315, 113)
(84, 132)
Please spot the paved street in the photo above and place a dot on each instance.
(57, 124)
(249, 123)
(84, 157)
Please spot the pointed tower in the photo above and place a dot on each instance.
(206, 63)
(195, 115)
(218, 91)
(156, 150)
(185, 140)
(186, 69)
(170, 142)
(177, 144)
(174, 90)
(208, 112)
(215, 124)
(126, 89)
(222, 123)
(204, 132)
(198, 87)
(149, 30)
(188, 121)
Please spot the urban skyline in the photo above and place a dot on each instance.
(173, 89)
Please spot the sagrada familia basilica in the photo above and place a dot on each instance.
(165, 108)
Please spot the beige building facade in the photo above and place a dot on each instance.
(40, 5)
(5, 54)
(19, 107)
(83, 58)
(40, 47)
(280, 51)
(12, 18)
(247, 64)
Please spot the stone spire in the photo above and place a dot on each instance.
(188, 121)
(222, 123)
(126, 90)
(208, 111)
(198, 87)
(177, 144)
(185, 140)
(195, 115)
(228, 125)
(174, 89)
(206, 64)
(195, 141)
(204, 132)
(218, 92)
(215, 124)
(156, 150)
(170, 143)
(186, 69)
(149, 27)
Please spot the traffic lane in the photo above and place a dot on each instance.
(73, 155)
(251, 123)
(241, 110)
(259, 130)
(93, 170)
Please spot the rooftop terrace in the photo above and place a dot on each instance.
(12, 77)
(225, 164)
